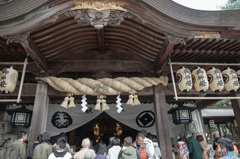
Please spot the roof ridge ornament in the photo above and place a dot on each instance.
(175, 39)
(99, 5)
(98, 19)
(18, 38)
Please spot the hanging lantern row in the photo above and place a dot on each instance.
(9, 77)
(213, 78)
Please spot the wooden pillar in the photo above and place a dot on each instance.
(236, 109)
(72, 135)
(161, 118)
(40, 112)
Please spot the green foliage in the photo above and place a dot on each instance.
(223, 103)
(230, 5)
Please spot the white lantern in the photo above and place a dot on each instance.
(8, 80)
(200, 81)
(230, 79)
(184, 79)
(215, 79)
(238, 76)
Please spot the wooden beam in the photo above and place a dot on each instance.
(100, 65)
(40, 113)
(205, 103)
(236, 109)
(162, 56)
(35, 54)
(101, 43)
(161, 118)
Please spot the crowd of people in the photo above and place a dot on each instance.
(144, 147)
(190, 148)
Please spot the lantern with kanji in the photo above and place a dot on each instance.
(200, 81)
(215, 79)
(230, 79)
(184, 79)
(8, 80)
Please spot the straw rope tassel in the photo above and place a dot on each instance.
(71, 104)
(65, 102)
(130, 100)
(104, 105)
(136, 101)
(98, 107)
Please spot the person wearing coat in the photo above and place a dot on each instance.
(128, 152)
(156, 148)
(102, 151)
(181, 150)
(113, 152)
(195, 151)
(203, 146)
(44, 148)
(18, 147)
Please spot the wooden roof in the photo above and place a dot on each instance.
(139, 46)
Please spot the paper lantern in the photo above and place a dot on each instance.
(181, 114)
(230, 79)
(215, 79)
(238, 76)
(8, 80)
(200, 81)
(184, 79)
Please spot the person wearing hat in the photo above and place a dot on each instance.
(195, 151)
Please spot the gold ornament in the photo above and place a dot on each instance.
(99, 5)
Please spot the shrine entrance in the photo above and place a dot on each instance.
(102, 128)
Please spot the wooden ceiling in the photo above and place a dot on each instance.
(67, 40)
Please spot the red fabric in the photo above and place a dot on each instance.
(142, 151)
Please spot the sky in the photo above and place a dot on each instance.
(202, 4)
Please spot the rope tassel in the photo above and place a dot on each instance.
(136, 101)
(104, 105)
(130, 100)
(65, 102)
(71, 104)
(98, 107)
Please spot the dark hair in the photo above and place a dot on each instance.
(199, 138)
(144, 132)
(154, 139)
(225, 143)
(61, 142)
(45, 138)
(21, 134)
(180, 139)
(39, 137)
(102, 149)
(128, 141)
(115, 141)
(149, 135)
(140, 135)
(62, 134)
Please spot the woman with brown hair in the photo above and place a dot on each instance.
(203, 146)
